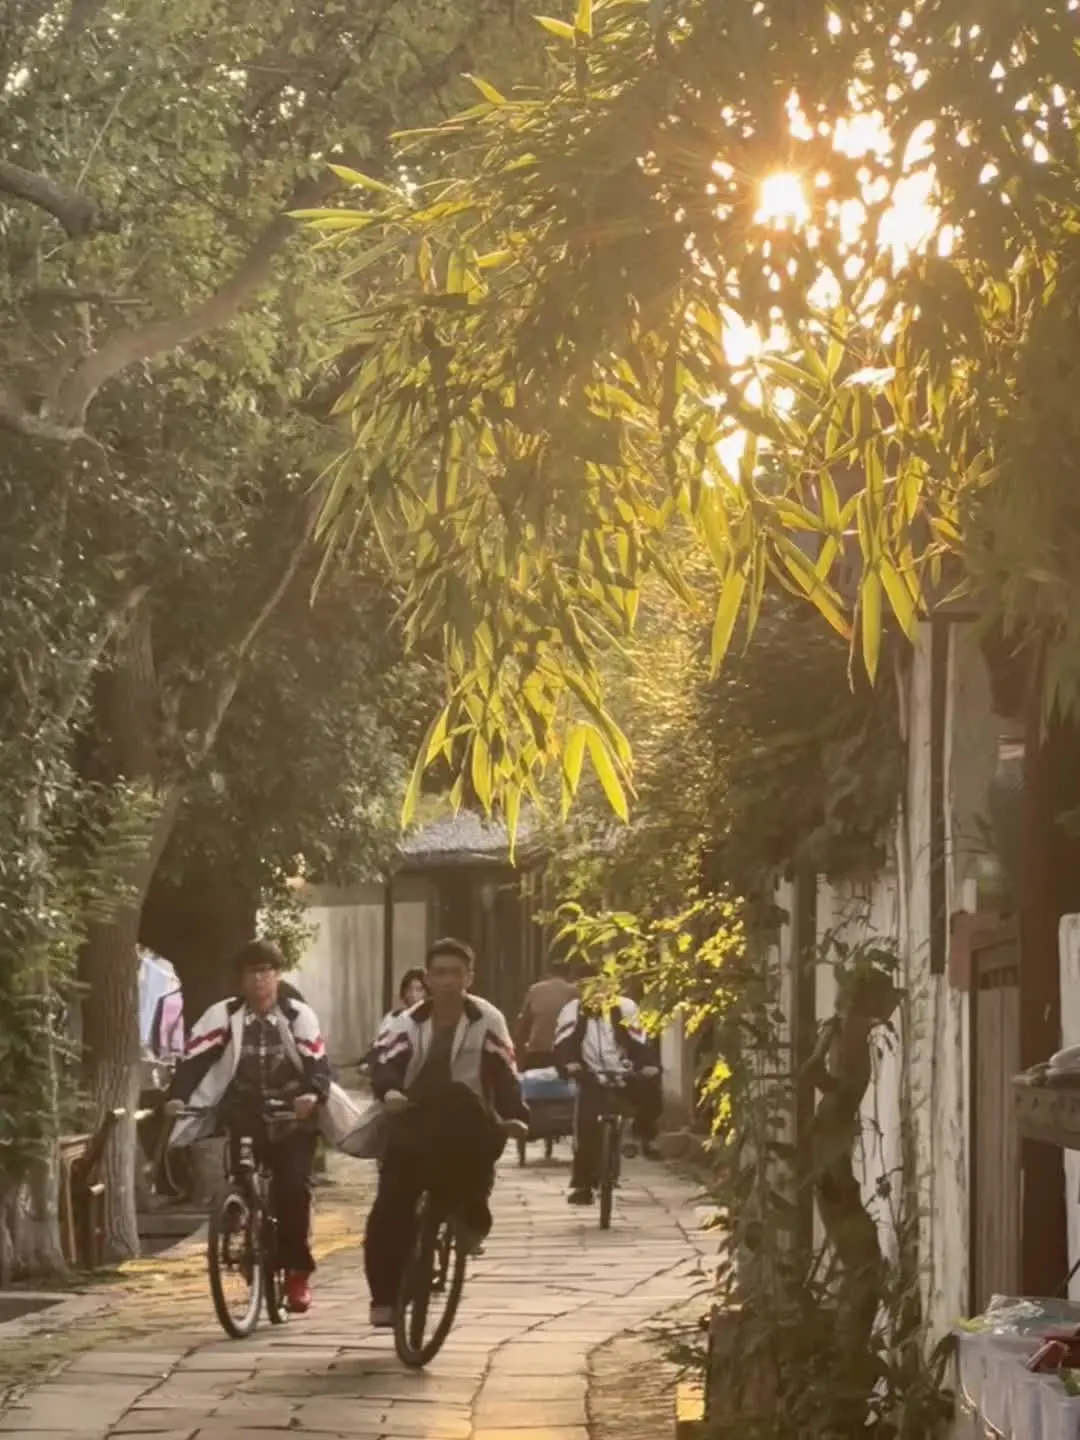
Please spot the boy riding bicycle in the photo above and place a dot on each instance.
(261, 1046)
(445, 1071)
(601, 1045)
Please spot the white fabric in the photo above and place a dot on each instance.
(171, 1034)
(157, 978)
(471, 1039)
(338, 1118)
(600, 1051)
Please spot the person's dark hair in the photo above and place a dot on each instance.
(457, 948)
(579, 970)
(258, 955)
(407, 979)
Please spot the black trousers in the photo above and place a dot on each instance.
(453, 1149)
(290, 1157)
(642, 1097)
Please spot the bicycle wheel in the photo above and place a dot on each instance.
(609, 1160)
(235, 1264)
(430, 1288)
(277, 1311)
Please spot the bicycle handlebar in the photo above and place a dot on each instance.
(274, 1111)
(586, 1072)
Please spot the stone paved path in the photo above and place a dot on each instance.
(549, 1290)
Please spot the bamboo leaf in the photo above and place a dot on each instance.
(870, 616)
(583, 20)
(559, 28)
(481, 770)
(606, 773)
(490, 94)
(573, 755)
(512, 807)
(830, 502)
(727, 612)
(362, 181)
(898, 596)
(438, 735)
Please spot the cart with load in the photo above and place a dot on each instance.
(550, 1099)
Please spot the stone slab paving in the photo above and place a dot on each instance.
(550, 1289)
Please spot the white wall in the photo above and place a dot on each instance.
(411, 937)
(341, 974)
(939, 1043)
(677, 1060)
(851, 913)
(932, 1033)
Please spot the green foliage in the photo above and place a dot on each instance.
(310, 766)
(550, 401)
(285, 921)
(776, 762)
(783, 1363)
(66, 846)
(151, 301)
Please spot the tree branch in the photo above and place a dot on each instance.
(79, 214)
(200, 741)
(111, 625)
(63, 420)
(15, 416)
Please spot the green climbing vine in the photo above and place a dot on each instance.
(817, 1335)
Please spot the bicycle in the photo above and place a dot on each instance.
(435, 1269)
(242, 1231)
(612, 1121)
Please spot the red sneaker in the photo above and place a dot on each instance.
(297, 1293)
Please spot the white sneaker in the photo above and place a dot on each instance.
(382, 1317)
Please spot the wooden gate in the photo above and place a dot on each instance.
(995, 1143)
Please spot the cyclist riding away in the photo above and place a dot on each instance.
(257, 1047)
(447, 1068)
(599, 1045)
(544, 1003)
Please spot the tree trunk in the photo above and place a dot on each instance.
(198, 923)
(109, 968)
(111, 1043)
(30, 1245)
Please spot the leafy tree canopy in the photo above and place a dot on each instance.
(311, 763)
(793, 280)
(772, 763)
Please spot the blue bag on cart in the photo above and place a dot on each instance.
(540, 1085)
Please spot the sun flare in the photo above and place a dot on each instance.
(782, 201)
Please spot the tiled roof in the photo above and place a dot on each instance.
(466, 838)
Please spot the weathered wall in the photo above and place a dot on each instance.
(677, 1060)
(850, 913)
(341, 974)
(412, 906)
(932, 1034)
(939, 1040)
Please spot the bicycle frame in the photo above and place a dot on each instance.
(248, 1180)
